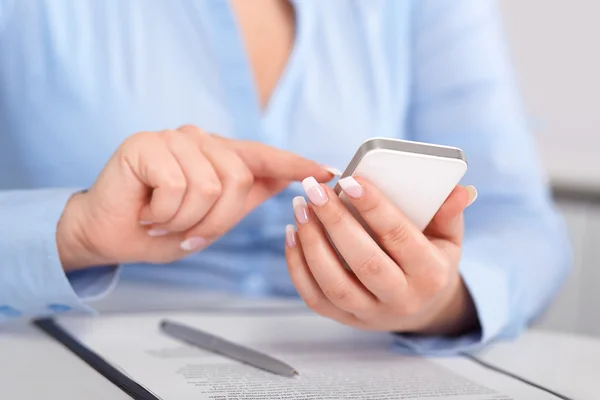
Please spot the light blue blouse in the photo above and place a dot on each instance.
(78, 76)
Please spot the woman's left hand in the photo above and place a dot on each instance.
(405, 281)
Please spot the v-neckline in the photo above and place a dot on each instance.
(241, 91)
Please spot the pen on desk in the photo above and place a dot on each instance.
(215, 344)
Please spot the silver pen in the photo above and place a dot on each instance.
(215, 344)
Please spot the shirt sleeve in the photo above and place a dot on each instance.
(32, 281)
(515, 251)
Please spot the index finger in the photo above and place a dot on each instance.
(268, 162)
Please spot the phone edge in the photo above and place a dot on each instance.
(406, 146)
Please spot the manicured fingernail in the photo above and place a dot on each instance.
(300, 209)
(332, 170)
(472, 194)
(157, 232)
(193, 243)
(314, 191)
(351, 187)
(146, 222)
(290, 235)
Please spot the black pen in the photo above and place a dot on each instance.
(215, 344)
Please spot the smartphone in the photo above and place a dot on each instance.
(416, 177)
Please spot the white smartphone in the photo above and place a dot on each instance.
(417, 177)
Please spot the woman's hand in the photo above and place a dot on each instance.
(405, 281)
(165, 194)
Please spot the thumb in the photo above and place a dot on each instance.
(448, 221)
(268, 162)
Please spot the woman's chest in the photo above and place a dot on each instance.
(76, 78)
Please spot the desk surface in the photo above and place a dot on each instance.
(33, 366)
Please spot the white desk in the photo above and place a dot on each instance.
(566, 363)
(33, 366)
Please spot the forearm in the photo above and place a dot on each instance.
(527, 247)
(32, 280)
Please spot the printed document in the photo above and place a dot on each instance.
(333, 361)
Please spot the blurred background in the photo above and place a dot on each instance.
(557, 56)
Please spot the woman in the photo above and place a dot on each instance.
(192, 123)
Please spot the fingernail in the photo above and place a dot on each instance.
(290, 235)
(314, 191)
(472, 194)
(146, 222)
(332, 170)
(300, 209)
(351, 187)
(157, 232)
(193, 243)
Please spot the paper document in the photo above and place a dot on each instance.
(334, 361)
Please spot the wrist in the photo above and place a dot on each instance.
(73, 249)
(456, 313)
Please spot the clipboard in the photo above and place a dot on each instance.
(139, 392)
(119, 379)
(122, 381)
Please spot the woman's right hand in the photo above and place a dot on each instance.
(165, 194)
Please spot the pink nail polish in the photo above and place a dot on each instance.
(300, 209)
(193, 243)
(472, 194)
(290, 235)
(351, 187)
(316, 194)
(144, 223)
(157, 232)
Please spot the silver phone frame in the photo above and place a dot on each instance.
(400, 145)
